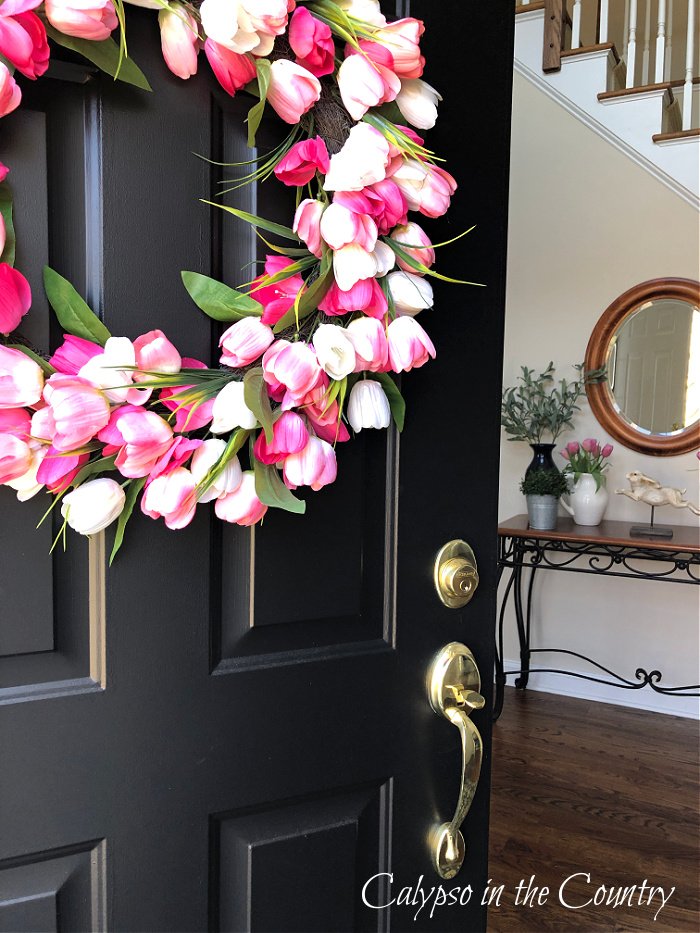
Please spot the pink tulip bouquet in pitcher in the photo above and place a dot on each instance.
(310, 344)
(586, 463)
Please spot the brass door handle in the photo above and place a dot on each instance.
(454, 686)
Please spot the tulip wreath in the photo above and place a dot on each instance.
(311, 341)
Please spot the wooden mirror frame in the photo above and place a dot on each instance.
(599, 394)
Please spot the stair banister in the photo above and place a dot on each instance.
(646, 53)
(689, 55)
(555, 17)
(669, 42)
(632, 44)
(660, 43)
(603, 19)
(576, 25)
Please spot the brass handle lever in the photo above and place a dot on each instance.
(453, 688)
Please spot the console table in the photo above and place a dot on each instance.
(605, 549)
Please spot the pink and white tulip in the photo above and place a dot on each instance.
(245, 342)
(292, 367)
(57, 471)
(307, 224)
(382, 201)
(179, 40)
(409, 345)
(94, 505)
(15, 457)
(368, 406)
(369, 339)
(289, 436)
(189, 415)
(73, 354)
(173, 497)
(427, 188)
(10, 94)
(364, 83)
(155, 353)
(15, 297)
(141, 437)
(293, 90)
(367, 11)
(84, 19)
(314, 466)
(244, 25)
(21, 379)
(415, 241)
(341, 227)
(205, 457)
(241, 507)
(365, 295)
(26, 486)
(312, 43)
(402, 39)
(79, 410)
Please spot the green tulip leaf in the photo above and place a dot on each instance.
(219, 301)
(272, 492)
(256, 398)
(132, 492)
(8, 253)
(255, 114)
(73, 314)
(396, 400)
(105, 54)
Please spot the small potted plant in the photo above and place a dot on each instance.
(543, 489)
(585, 463)
(538, 408)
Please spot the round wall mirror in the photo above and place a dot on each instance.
(649, 342)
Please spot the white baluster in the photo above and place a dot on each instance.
(660, 43)
(604, 17)
(576, 25)
(689, 55)
(632, 44)
(647, 42)
(669, 43)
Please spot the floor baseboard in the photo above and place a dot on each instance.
(646, 698)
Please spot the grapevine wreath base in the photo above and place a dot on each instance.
(310, 343)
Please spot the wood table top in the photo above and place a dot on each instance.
(685, 537)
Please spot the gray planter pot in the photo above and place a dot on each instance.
(542, 512)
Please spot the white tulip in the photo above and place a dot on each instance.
(366, 10)
(93, 505)
(204, 458)
(352, 263)
(334, 350)
(368, 406)
(26, 485)
(362, 161)
(418, 101)
(384, 258)
(230, 410)
(104, 371)
(411, 293)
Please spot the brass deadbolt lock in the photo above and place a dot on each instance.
(456, 576)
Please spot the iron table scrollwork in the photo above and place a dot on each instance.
(606, 550)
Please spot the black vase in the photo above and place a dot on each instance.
(542, 458)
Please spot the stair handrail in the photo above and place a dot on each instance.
(556, 19)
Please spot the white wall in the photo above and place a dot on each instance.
(587, 223)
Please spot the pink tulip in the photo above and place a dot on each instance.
(312, 43)
(427, 188)
(313, 466)
(303, 160)
(409, 236)
(241, 507)
(177, 455)
(371, 346)
(179, 40)
(244, 342)
(279, 297)
(607, 450)
(15, 457)
(73, 354)
(293, 90)
(173, 497)
(289, 437)
(409, 345)
(84, 19)
(4, 172)
(15, 421)
(57, 471)
(15, 298)
(340, 226)
(307, 225)
(189, 416)
(21, 379)
(364, 83)
(324, 418)
(23, 42)
(141, 437)
(573, 447)
(402, 39)
(10, 94)
(382, 201)
(233, 71)
(565, 454)
(591, 446)
(43, 426)
(366, 295)
(291, 366)
(156, 354)
(79, 410)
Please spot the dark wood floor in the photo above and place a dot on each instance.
(605, 790)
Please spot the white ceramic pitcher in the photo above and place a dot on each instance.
(586, 503)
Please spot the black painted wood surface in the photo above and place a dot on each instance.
(244, 738)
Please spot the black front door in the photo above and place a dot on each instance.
(230, 729)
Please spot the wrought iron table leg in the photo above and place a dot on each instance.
(500, 676)
(523, 632)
